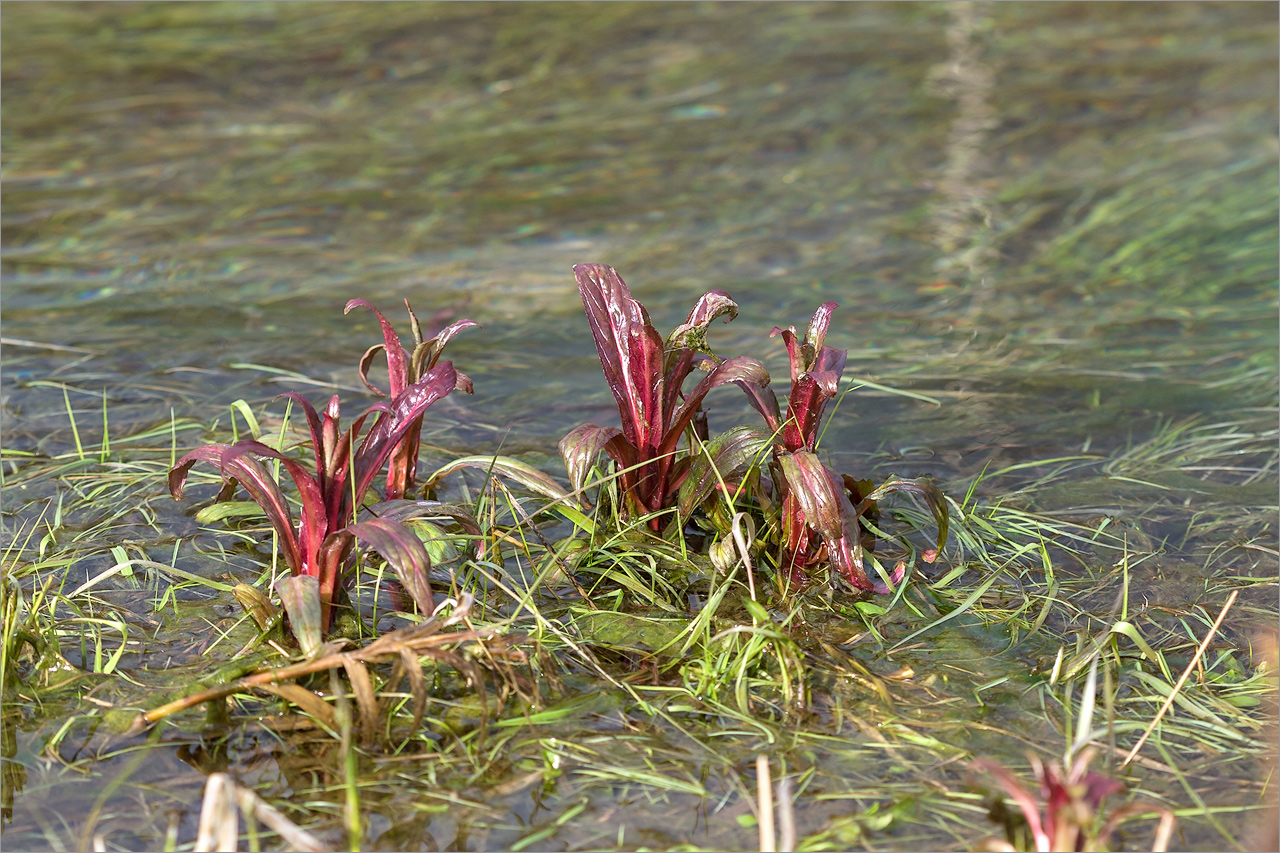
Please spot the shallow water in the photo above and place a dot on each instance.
(1057, 221)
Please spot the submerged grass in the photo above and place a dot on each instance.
(653, 681)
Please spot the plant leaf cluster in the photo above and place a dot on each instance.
(669, 472)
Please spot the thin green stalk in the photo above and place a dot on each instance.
(71, 416)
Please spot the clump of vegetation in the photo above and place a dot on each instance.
(318, 551)
(822, 511)
(647, 377)
(816, 514)
(1068, 814)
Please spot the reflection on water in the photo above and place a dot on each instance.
(1057, 220)
(962, 213)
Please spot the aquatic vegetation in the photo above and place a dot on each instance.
(821, 510)
(646, 376)
(320, 547)
(406, 368)
(404, 648)
(1068, 813)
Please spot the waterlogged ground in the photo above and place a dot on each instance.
(1054, 225)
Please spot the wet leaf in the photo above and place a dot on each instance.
(724, 458)
(630, 350)
(392, 424)
(511, 468)
(257, 482)
(406, 510)
(580, 448)
(923, 488)
(258, 606)
(300, 595)
(405, 554)
(818, 498)
(739, 370)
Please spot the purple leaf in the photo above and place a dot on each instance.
(630, 351)
(819, 498)
(315, 523)
(403, 510)
(739, 370)
(332, 561)
(397, 358)
(405, 553)
(819, 493)
(764, 401)
(391, 426)
(257, 482)
(580, 448)
(313, 421)
(366, 361)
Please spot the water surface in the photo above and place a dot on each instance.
(1058, 221)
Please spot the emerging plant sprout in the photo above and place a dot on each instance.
(820, 508)
(321, 545)
(1067, 814)
(404, 369)
(646, 377)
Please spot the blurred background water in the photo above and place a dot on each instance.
(1057, 217)
(1058, 221)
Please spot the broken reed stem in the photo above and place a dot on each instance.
(1163, 832)
(786, 817)
(1186, 673)
(764, 794)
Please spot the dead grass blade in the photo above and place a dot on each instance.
(425, 640)
(306, 700)
(1191, 665)
(362, 686)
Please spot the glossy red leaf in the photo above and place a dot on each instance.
(397, 357)
(393, 423)
(314, 525)
(405, 554)
(258, 483)
(630, 351)
(580, 447)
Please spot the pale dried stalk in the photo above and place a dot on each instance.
(1168, 702)
(764, 793)
(220, 827)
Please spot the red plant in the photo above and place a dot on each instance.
(1066, 815)
(646, 377)
(321, 545)
(819, 514)
(404, 369)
